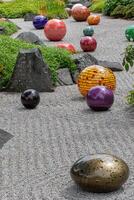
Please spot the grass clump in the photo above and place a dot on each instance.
(18, 8)
(97, 6)
(10, 28)
(119, 8)
(55, 57)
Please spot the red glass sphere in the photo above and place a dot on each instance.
(88, 43)
(67, 46)
(55, 30)
(80, 13)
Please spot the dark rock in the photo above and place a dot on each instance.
(30, 72)
(64, 77)
(4, 137)
(29, 17)
(29, 37)
(2, 30)
(114, 66)
(83, 60)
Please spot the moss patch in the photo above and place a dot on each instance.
(10, 28)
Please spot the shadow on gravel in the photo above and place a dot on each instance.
(4, 137)
(79, 98)
(75, 192)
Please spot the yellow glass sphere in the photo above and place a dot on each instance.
(95, 75)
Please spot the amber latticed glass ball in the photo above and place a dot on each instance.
(95, 75)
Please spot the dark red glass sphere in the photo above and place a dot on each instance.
(88, 43)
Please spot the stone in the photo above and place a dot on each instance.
(64, 77)
(114, 66)
(29, 37)
(29, 17)
(83, 60)
(30, 72)
(4, 137)
(2, 30)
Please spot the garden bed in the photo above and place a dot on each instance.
(56, 58)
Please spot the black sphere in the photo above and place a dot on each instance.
(30, 98)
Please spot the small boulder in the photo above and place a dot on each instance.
(30, 72)
(83, 60)
(29, 17)
(64, 77)
(114, 66)
(29, 37)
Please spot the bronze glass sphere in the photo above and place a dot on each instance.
(100, 172)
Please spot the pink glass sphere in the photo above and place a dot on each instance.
(88, 43)
(100, 98)
(55, 30)
(69, 47)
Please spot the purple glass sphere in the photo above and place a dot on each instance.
(100, 98)
(39, 21)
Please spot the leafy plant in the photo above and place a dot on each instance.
(128, 62)
(97, 5)
(9, 48)
(10, 28)
(110, 5)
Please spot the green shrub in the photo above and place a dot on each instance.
(129, 12)
(119, 11)
(10, 28)
(123, 11)
(97, 6)
(128, 62)
(110, 5)
(19, 8)
(9, 48)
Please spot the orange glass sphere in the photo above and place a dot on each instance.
(55, 30)
(93, 19)
(80, 13)
(69, 47)
(95, 75)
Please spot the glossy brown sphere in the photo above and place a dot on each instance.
(100, 172)
(80, 13)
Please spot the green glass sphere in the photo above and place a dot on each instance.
(88, 31)
(129, 33)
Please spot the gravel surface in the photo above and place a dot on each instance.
(35, 163)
